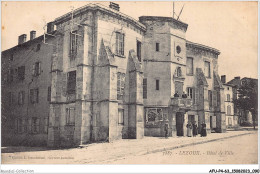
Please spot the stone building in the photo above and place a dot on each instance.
(102, 76)
(175, 65)
(26, 90)
(231, 115)
(244, 116)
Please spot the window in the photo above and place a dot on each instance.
(190, 92)
(154, 115)
(38, 47)
(21, 72)
(230, 121)
(10, 75)
(49, 94)
(20, 126)
(10, 98)
(34, 95)
(21, 98)
(218, 98)
(36, 69)
(210, 98)
(120, 85)
(178, 49)
(73, 44)
(157, 85)
(228, 110)
(35, 125)
(157, 46)
(120, 44)
(207, 69)
(46, 124)
(145, 88)
(189, 66)
(228, 97)
(139, 52)
(25, 121)
(70, 116)
(179, 73)
(120, 116)
(71, 84)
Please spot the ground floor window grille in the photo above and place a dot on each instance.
(154, 115)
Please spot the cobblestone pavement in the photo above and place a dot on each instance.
(135, 151)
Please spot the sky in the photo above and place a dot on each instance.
(231, 27)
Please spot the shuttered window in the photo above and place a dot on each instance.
(34, 95)
(228, 110)
(35, 125)
(21, 96)
(228, 97)
(36, 70)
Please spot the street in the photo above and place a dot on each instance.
(233, 147)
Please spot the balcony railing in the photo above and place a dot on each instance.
(183, 103)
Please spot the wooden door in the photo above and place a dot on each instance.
(179, 123)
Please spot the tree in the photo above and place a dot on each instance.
(248, 98)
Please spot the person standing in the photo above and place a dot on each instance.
(166, 129)
(194, 129)
(189, 129)
(203, 130)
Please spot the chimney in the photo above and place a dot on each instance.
(114, 6)
(22, 39)
(238, 77)
(223, 79)
(32, 35)
(50, 27)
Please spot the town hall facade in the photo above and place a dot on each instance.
(102, 75)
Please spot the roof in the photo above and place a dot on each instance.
(37, 39)
(203, 47)
(103, 8)
(163, 19)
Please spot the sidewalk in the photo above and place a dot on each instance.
(102, 153)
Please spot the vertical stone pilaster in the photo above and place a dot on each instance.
(185, 124)
(135, 108)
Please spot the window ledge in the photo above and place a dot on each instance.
(121, 56)
(190, 74)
